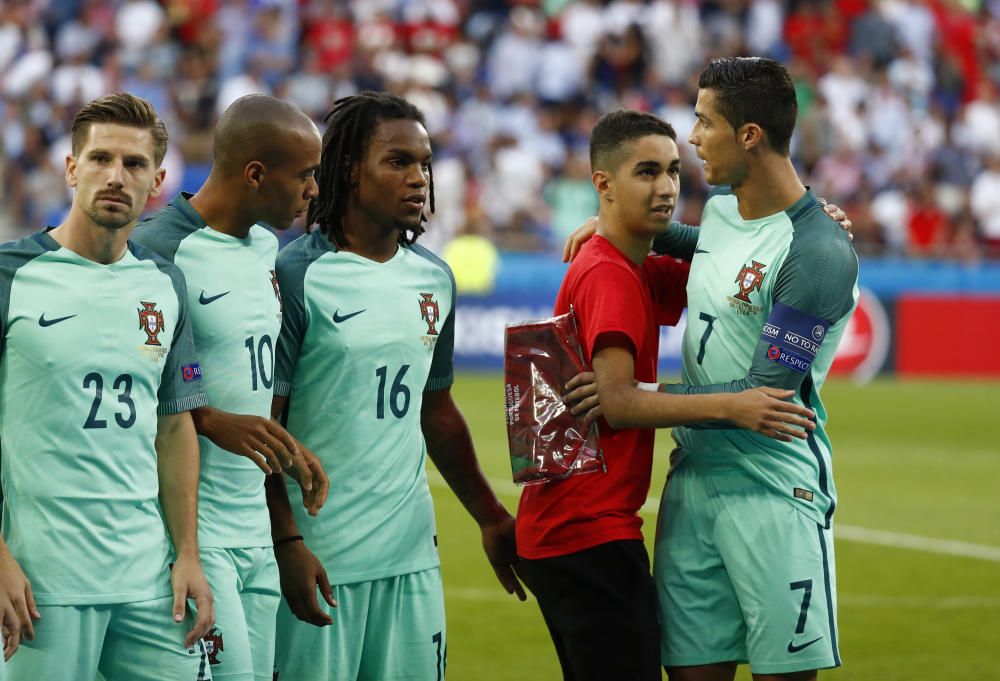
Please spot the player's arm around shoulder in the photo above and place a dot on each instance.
(449, 444)
(178, 467)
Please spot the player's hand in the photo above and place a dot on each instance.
(189, 582)
(579, 238)
(581, 396)
(312, 499)
(17, 605)
(765, 411)
(259, 439)
(301, 574)
(501, 550)
(837, 214)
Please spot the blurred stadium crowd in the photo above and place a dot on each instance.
(899, 116)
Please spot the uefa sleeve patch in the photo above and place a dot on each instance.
(794, 337)
(191, 372)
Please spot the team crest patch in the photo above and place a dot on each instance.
(429, 312)
(151, 321)
(213, 645)
(274, 285)
(749, 279)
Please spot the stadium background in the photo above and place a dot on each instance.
(899, 123)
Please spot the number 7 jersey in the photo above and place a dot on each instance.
(768, 300)
(360, 343)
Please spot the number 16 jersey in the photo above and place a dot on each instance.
(360, 343)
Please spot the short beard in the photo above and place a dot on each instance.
(110, 221)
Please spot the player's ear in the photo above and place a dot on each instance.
(603, 184)
(253, 174)
(750, 135)
(158, 181)
(70, 170)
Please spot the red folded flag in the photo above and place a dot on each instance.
(547, 442)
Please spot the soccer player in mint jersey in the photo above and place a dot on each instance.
(744, 553)
(100, 461)
(580, 539)
(364, 371)
(266, 153)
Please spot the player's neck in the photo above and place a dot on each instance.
(368, 238)
(221, 210)
(81, 235)
(635, 246)
(771, 186)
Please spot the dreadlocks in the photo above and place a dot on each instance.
(351, 124)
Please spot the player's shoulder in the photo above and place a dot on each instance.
(149, 257)
(295, 258)
(164, 230)
(431, 259)
(14, 254)
(599, 258)
(816, 237)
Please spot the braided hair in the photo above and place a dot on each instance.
(351, 125)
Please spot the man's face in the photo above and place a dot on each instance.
(289, 186)
(114, 174)
(646, 184)
(393, 180)
(715, 143)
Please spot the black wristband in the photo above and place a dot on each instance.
(288, 540)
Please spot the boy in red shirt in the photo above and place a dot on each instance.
(579, 539)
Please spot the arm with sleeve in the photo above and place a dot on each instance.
(812, 292)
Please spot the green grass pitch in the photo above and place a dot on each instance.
(911, 459)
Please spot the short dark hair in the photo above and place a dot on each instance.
(121, 108)
(754, 90)
(614, 131)
(352, 123)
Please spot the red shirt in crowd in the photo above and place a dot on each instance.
(609, 294)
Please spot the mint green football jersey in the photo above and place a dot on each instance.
(91, 354)
(360, 343)
(768, 301)
(235, 310)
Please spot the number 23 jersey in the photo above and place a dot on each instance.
(360, 343)
(90, 354)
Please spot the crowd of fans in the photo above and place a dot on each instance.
(899, 118)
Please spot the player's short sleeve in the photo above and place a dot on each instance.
(442, 371)
(181, 382)
(668, 282)
(679, 241)
(604, 300)
(290, 268)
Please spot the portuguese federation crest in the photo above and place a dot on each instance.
(213, 645)
(429, 312)
(274, 284)
(151, 321)
(750, 278)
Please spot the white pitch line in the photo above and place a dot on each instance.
(852, 600)
(862, 535)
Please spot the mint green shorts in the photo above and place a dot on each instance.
(246, 589)
(742, 575)
(124, 642)
(389, 629)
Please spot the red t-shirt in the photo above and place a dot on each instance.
(609, 294)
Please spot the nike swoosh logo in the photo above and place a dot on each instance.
(204, 300)
(337, 318)
(42, 321)
(698, 250)
(792, 648)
